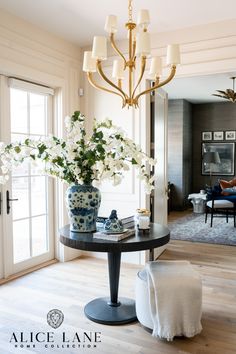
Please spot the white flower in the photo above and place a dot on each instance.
(126, 167)
(148, 188)
(4, 169)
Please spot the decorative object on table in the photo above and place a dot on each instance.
(143, 219)
(127, 221)
(226, 155)
(228, 94)
(83, 202)
(144, 222)
(206, 136)
(218, 135)
(84, 160)
(230, 135)
(113, 224)
(113, 236)
(139, 46)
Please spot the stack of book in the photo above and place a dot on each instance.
(102, 235)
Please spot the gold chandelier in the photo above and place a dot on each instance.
(228, 94)
(139, 46)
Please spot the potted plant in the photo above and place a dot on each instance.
(81, 161)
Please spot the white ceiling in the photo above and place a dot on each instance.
(199, 89)
(79, 20)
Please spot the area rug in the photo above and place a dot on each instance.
(193, 228)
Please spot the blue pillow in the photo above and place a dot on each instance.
(228, 191)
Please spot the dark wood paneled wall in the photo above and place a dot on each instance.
(180, 151)
(209, 117)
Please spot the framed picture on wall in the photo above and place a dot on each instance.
(230, 135)
(218, 135)
(206, 136)
(218, 159)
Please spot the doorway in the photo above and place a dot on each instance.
(27, 234)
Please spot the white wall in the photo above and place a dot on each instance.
(32, 54)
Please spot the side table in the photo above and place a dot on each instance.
(199, 201)
(113, 310)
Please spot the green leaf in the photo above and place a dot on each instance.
(41, 149)
(27, 141)
(100, 148)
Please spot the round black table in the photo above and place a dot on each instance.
(110, 310)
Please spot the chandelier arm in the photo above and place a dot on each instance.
(170, 77)
(101, 73)
(134, 49)
(143, 65)
(97, 86)
(113, 44)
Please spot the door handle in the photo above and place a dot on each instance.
(0, 203)
(8, 199)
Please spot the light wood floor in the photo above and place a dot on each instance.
(24, 304)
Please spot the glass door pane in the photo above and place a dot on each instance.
(30, 215)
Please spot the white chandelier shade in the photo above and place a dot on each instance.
(139, 46)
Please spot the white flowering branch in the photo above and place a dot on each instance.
(78, 159)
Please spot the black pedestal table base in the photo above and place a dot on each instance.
(112, 310)
(100, 311)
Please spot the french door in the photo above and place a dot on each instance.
(161, 154)
(159, 130)
(27, 199)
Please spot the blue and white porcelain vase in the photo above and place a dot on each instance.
(83, 202)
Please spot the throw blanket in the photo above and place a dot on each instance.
(175, 294)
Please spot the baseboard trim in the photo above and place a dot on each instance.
(27, 271)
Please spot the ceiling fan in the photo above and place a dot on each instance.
(228, 94)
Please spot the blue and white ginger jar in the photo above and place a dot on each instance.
(83, 202)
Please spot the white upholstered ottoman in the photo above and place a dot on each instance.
(180, 299)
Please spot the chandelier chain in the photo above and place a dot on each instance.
(130, 9)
